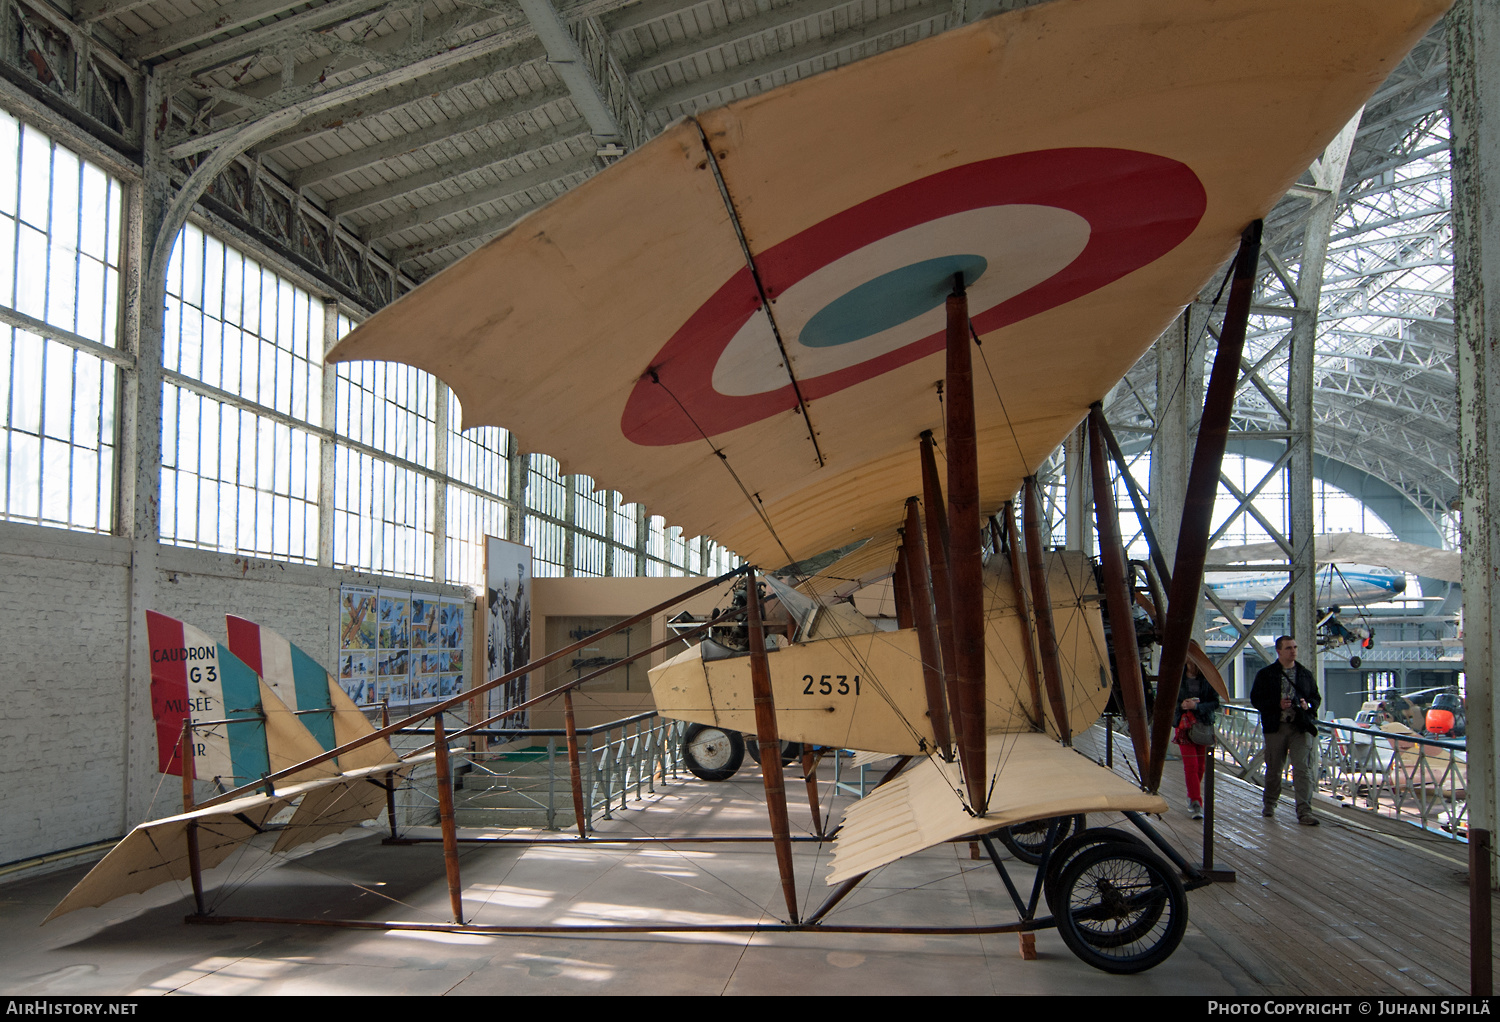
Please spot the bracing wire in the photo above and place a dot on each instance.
(853, 904)
(1070, 664)
(695, 863)
(756, 504)
(852, 655)
(274, 859)
(995, 385)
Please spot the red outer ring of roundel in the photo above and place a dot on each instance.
(1138, 206)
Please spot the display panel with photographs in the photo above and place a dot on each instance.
(400, 646)
(507, 571)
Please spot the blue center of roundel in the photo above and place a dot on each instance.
(889, 300)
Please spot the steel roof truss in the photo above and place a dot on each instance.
(426, 57)
(441, 131)
(1247, 503)
(450, 169)
(360, 107)
(543, 174)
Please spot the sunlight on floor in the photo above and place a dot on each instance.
(543, 966)
(510, 897)
(595, 911)
(230, 975)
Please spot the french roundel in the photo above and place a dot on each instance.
(862, 292)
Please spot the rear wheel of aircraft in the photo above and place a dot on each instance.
(712, 753)
(1120, 909)
(790, 751)
(1028, 841)
(1068, 850)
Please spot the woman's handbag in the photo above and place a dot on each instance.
(1202, 733)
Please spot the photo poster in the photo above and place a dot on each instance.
(437, 646)
(359, 632)
(400, 646)
(507, 575)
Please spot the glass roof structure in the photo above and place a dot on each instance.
(1384, 390)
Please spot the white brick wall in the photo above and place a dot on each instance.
(63, 688)
(77, 747)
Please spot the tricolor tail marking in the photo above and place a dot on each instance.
(194, 676)
(302, 683)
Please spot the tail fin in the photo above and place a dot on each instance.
(193, 676)
(305, 685)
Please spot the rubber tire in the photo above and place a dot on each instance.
(1028, 841)
(1069, 849)
(712, 753)
(1134, 937)
(791, 752)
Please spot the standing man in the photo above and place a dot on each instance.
(1287, 697)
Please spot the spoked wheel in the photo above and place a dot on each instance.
(1068, 850)
(1028, 841)
(790, 751)
(1120, 908)
(712, 753)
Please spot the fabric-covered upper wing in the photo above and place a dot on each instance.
(1085, 166)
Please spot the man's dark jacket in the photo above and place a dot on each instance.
(1265, 696)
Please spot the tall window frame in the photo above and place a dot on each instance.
(61, 218)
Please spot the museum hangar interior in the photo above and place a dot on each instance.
(199, 198)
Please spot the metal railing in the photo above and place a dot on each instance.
(530, 786)
(624, 755)
(1405, 776)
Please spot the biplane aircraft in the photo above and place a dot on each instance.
(773, 320)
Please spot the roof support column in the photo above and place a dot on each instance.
(1474, 67)
(516, 466)
(1328, 175)
(327, 496)
(570, 522)
(139, 481)
(440, 485)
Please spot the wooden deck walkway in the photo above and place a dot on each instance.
(1359, 906)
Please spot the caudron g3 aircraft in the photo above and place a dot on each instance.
(769, 322)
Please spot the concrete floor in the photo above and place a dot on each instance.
(139, 945)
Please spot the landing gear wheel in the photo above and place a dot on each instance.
(1120, 909)
(790, 751)
(1069, 849)
(712, 753)
(1028, 841)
